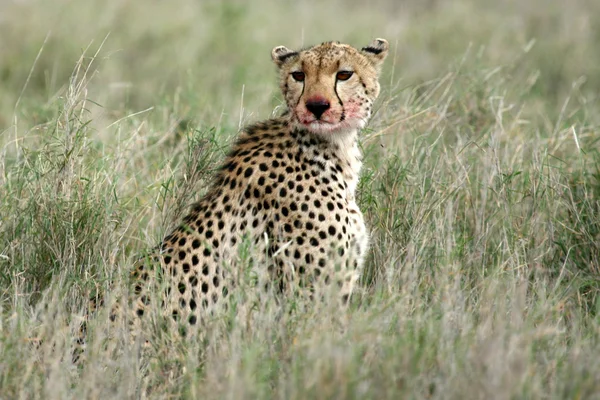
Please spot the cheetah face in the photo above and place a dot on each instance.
(330, 88)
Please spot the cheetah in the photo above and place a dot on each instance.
(287, 187)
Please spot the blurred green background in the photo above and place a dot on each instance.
(201, 56)
(480, 186)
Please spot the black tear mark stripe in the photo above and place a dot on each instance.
(303, 86)
(373, 50)
(337, 95)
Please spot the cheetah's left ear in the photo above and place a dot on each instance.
(376, 51)
(281, 53)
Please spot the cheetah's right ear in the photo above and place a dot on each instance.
(281, 53)
(376, 51)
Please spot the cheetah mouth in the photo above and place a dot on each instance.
(325, 127)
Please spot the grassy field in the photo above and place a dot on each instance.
(481, 188)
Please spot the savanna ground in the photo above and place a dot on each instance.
(481, 187)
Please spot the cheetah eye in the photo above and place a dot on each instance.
(344, 75)
(298, 75)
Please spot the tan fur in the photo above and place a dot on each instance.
(351, 100)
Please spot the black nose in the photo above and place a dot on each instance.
(317, 107)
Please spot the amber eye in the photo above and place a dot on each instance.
(344, 75)
(298, 75)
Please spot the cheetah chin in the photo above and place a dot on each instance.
(340, 128)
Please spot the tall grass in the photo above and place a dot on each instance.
(481, 187)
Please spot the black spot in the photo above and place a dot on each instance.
(314, 242)
(263, 167)
(192, 320)
(331, 230)
(193, 280)
(330, 206)
(204, 287)
(182, 241)
(193, 304)
(196, 243)
(181, 287)
(181, 255)
(186, 268)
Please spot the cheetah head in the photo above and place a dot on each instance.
(330, 88)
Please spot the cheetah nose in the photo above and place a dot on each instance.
(317, 107)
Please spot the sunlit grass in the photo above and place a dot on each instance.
(481, 188)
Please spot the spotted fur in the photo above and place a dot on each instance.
(287, 187)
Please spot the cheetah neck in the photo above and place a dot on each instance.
(341, 149)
